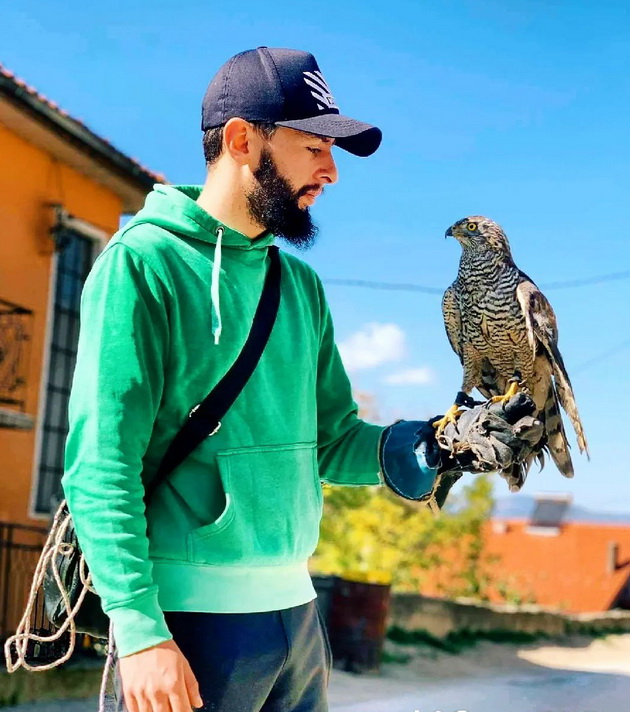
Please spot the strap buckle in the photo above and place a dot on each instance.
(215, 431)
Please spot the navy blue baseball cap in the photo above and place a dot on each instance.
(283, 87)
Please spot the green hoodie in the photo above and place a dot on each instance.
(234, 526)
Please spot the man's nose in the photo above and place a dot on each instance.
(328, 171)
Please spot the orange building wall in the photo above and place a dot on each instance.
(29, 180)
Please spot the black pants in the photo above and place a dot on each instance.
(278, 661)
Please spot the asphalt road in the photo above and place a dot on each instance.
(545, 690)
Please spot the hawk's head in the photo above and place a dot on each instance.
(479, 233)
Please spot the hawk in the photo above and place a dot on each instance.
(504, 331)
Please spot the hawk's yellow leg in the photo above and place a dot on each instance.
(511, 391)
(450, 416)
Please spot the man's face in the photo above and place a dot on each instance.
(293, 169)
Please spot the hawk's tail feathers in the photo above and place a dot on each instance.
(557, 443)
(516, 475)
(567, 399)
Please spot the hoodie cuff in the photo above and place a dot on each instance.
(139, 625)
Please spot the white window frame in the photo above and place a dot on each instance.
(99, 238)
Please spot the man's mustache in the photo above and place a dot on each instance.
(308, 189)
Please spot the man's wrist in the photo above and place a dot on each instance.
(407, 457)
(139, 625)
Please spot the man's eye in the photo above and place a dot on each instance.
(314, 150)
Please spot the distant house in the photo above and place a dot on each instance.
(545, 551)
(564, 557)
(63, 190)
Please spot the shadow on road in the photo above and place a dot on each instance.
(576, 675)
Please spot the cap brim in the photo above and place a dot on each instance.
(353, 136)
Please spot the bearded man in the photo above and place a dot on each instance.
(207, 587)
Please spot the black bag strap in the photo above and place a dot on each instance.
(205, 419)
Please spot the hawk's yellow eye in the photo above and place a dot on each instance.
(471, 227)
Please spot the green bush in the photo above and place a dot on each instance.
(457, 641)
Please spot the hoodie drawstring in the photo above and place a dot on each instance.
(217, 325)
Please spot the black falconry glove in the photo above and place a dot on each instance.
(491, 437)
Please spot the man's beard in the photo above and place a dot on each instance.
(273, 204)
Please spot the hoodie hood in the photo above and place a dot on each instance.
(174, 208)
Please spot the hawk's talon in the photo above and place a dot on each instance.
(450, 416)
(515, 386)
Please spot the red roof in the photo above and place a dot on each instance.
(22, 86)
(570, 569)
(577, 567)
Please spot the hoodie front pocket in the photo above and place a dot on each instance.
(273, 508)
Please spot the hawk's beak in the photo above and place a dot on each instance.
(449, 232)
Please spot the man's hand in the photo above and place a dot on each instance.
(159, 679)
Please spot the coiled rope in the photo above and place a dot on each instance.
(16, 647)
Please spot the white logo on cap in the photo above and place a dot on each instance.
(320, 90)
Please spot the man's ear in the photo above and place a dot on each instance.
(240, 141)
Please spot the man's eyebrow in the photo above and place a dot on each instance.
(324, 139)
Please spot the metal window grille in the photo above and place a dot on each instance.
(15, 340)
(75, 259)
(20, 548)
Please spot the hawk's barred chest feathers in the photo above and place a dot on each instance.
(501, 326)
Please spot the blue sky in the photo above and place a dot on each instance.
(515, 110)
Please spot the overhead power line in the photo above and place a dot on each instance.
(406, 287)
(602, 356)
(587, 281)
(393, 286)
(568, 284)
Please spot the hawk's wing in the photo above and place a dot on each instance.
(540, 320)
(453, 319)
(542, 331)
